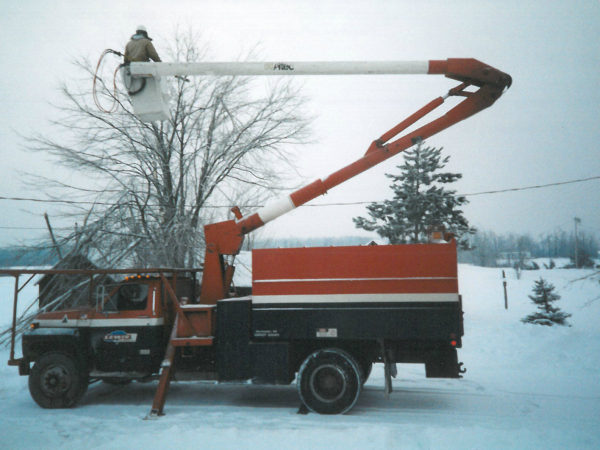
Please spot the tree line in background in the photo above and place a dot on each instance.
(486, 248)
(489, 249)
(25, 256)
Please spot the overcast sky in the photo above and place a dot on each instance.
(545, 129)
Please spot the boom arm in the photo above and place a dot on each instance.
(226, 238)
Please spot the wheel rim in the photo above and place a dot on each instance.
(56, 381)
(327, 383)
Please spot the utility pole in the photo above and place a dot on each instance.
(577, 222)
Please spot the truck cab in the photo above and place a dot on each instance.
(119, 336)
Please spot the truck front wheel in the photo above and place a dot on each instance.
(329, 381)
(56, 381)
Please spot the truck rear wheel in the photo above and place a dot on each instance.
(56, 381)
(329, 381)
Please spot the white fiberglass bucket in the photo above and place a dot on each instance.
(149, 96)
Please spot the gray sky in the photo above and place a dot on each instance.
(545, 129)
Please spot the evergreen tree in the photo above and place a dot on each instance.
(548, 315)
(420, 200)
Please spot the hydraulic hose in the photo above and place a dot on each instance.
(114, 105)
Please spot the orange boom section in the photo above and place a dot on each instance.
(382, 273)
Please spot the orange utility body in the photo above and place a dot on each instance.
(379, 273)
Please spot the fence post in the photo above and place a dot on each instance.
(505, 295)
(14, 319)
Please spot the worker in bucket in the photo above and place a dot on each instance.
(140, 48)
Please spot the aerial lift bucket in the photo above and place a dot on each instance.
(149, 96)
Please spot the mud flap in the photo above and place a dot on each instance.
(389, 368)
(24, 368)
(443, 363)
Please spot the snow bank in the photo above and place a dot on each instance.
(526, 387)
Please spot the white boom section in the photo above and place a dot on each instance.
(279, 68)
(151, 102)
(275, 209)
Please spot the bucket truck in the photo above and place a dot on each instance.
(321, 316)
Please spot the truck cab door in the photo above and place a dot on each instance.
(128, 335)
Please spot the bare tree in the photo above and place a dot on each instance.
(152, 186)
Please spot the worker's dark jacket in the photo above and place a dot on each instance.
(140, 49)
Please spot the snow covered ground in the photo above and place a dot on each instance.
(526, 387)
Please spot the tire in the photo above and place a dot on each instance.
(57, 381)
(329, 381)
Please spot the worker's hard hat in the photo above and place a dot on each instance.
(141, 28)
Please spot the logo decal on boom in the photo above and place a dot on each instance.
(282, 67)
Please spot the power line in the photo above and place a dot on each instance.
(22, 228)
(472, 194)
(49, 200)
(538, 186)
(85, 202)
